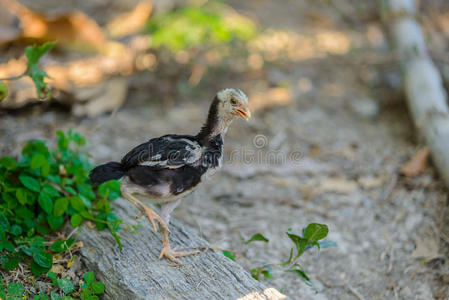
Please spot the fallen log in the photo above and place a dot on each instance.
(423, 85)
(136, 272)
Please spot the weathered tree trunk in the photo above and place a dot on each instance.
(136, 272)
(422, 82)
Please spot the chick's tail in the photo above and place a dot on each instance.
(105, 172)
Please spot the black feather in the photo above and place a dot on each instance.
(211, 122)
(105, 172)
(171, 148)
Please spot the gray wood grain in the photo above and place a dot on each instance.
(136, 272)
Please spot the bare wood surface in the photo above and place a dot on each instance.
(136, 272)
(423, 85)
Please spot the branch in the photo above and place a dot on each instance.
(423, 86)
(16, 76)
(136, 272)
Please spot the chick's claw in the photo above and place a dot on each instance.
(152, 217)
(172, 254)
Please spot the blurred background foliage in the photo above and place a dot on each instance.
(207, 25)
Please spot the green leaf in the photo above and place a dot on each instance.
(15, 230)
(302, 275)
(228, 254)
(3, 90)
(9, 200)
(98, 287)
(9, 262)
(40, 161)
(33, 54)
(8, 162)
(89, 277)
(30, 183)
(300, 243)
(315, 232)
(45, 202)
(15, 289)
(37, 161)
(60, 206)
(42, 229)
(255, 273)
(63, 141)
(43, 259)
(117, 238)
(4, 223)
(55, 296)
(52, 275)
(50, 190)
(21, 195)
(86, 190)
(61, 246)
(267, 274)
(7, 245)
(55, 222)
(65, 285)
(24, 213)
(77, 203)
(70, 190)
(41, 296)
(257, 237)
(110, 188)
(76, 220)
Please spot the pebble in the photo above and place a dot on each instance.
(365, 108)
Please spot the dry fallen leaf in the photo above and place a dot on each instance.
(369, 182)
(58, 269)
(73, 29)
(426, 248)
(338, 185)
(417, 164)
(130, 22)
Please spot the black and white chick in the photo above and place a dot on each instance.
(167, 168)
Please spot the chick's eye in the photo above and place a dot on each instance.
(233, 101)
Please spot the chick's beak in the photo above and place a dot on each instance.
(243, 112)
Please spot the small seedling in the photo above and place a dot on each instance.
(33, 54)
(312, 236)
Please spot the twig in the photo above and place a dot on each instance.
(15, 77)
(308, 208)
(236, 255)
(385, 195)
(72, 232)
(421, 81)
(355, 292)
(390, 261)
(346, 286)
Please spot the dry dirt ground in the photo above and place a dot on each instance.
(339, 142)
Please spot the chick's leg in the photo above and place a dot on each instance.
(166, 249)
(150, 214)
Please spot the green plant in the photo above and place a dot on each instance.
(312, 236)
(90, 287)
(192, 26)
(64, 289)
(43, 189)
(33, 54)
